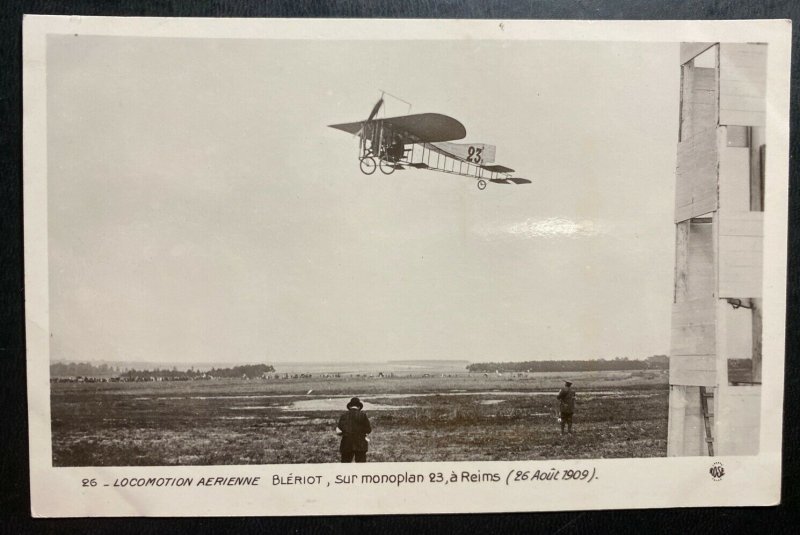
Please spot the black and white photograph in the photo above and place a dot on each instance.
(309, 244)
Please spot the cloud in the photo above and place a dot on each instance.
(553, 227)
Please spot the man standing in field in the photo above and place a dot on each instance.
(566, 398)
(354, 428)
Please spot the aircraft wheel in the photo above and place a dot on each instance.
(367, 165)
(481, 184)
(387, 168)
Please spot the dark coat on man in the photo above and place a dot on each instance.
(355, 427)
(566, 397)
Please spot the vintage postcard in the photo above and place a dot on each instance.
(488, 265)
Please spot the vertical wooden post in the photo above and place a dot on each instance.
(757, 329)
(677, 421)
(681, 289)
(757, 140)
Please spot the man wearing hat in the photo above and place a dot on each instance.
(566, 397)
(354, 428)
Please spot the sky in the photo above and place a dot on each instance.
(199, 209)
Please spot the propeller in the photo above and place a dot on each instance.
(375, 109)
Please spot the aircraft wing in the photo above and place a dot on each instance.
(418, 128)
(350, 128)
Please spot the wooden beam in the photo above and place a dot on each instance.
(757, 341)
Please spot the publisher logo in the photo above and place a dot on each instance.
(716, 471)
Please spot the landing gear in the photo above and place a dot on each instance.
(387, 168)
(481, 184)
(367, 165)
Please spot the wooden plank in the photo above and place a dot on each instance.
(696, 176)
(691, 363)
(744, 103)
(743, 280)
(745, 117)
(723, 314)
(691, 50)
(701, 279)
(693, 370)
(685, 424)
(704, 86)
(739, 88)
(734, 178)
(741, 223)
(740, 248)
(676, 421)
(681, 262)
(741, 254)
(702, 206)
(698, 101)
(693, 327)
(742, 84)
(739, 420)
(739, 282)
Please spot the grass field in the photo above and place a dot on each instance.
(457, 418)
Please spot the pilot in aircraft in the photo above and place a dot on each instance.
(396, 149)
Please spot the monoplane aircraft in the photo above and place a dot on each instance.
(424, 141)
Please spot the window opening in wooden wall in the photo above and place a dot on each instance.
(707, 59)
(738, 136)
(744, 342)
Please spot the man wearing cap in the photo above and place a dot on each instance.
(354, 428)
(566, 397)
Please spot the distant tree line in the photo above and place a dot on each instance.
(87, 369)
(655, 362)
(249, 370)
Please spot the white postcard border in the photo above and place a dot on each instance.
(617, 483)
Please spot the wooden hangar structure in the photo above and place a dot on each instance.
(715, 354)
